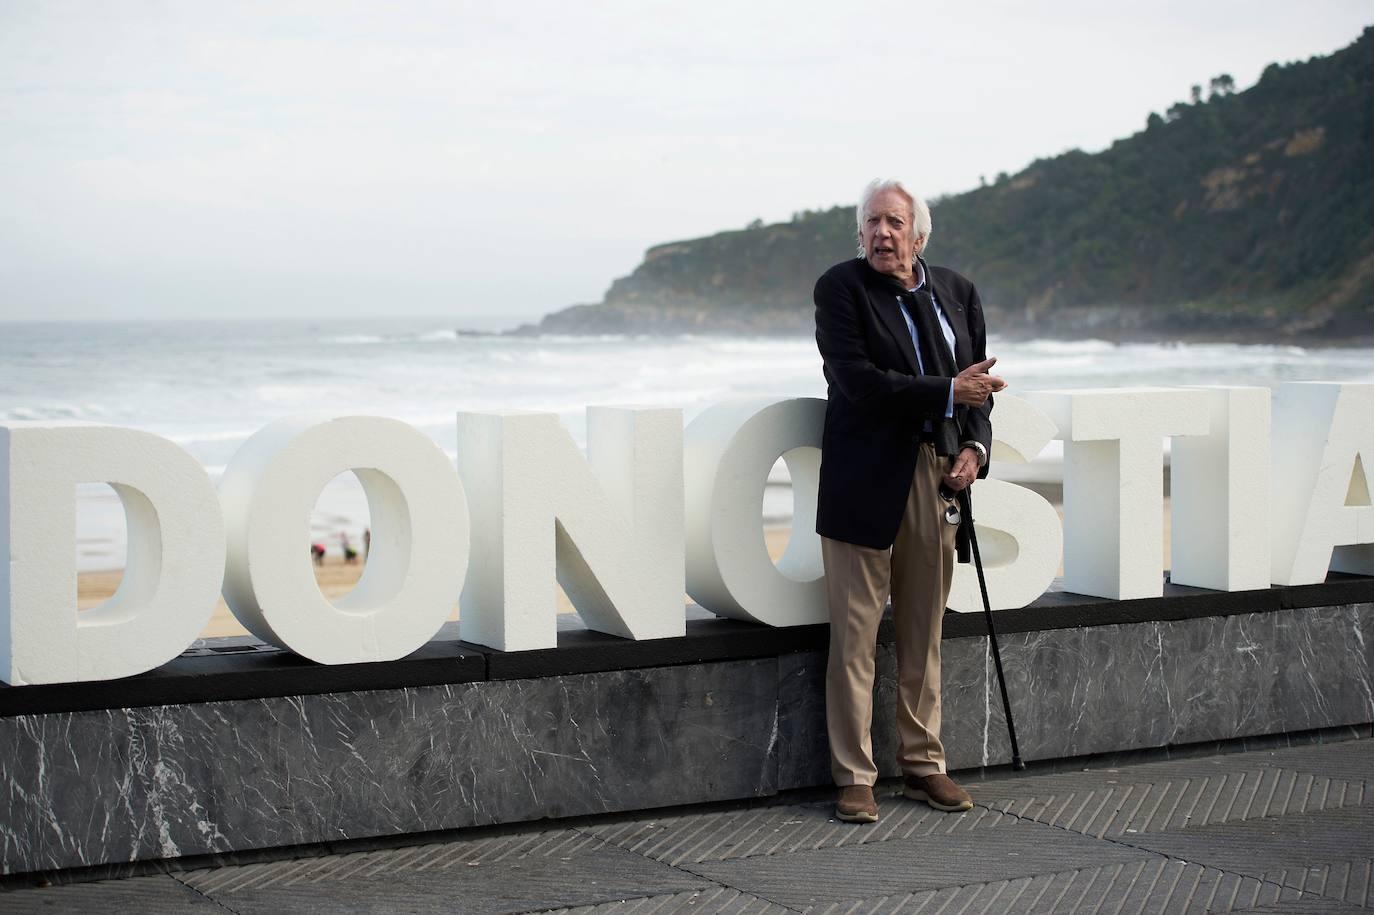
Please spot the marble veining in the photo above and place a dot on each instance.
(123, 785)
(131, 784)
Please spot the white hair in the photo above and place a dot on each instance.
(920, 212)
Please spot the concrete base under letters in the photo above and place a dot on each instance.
(235, 746)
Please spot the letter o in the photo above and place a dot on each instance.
(729, 450)
(420, 537)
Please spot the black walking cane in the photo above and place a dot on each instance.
(966, 521)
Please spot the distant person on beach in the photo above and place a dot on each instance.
(350, 554)
(367, 543)
(317, 553)
(907, 424)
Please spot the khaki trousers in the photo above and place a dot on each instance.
(916, 573)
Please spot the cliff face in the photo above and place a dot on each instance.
(1248, 213)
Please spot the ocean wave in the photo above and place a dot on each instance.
(353, 339)
(1048, 345)
(310, 398)
(442, 335)
(582, 339)
(307, 374)
(55, 411)
(782, 345)
(203, 438)
(437, 336)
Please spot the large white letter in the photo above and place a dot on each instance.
(1019, 536)
(1114, 482)
(730, 449)
(419, 537)
(609, 526)
(176, 553)
(1323, 449)
(1219, 483)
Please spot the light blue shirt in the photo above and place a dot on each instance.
(944, 329)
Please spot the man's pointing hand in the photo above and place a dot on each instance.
(974, 385)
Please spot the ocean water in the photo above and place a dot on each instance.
(209, 385)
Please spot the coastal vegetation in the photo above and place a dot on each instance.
(1243, 215)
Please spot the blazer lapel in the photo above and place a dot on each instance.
(884, 302)
(957, 316)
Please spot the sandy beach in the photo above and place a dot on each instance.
(336, 578)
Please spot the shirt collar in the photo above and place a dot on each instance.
(920, 275)
(892, 283)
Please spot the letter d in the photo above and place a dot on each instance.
(175, 561)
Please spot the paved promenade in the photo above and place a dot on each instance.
(1281, 829)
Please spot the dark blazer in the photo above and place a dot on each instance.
(877, 398)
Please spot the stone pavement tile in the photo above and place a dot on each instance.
(1259, 847)
(1351, 760)
(810, 878)
(1305, 906)
(1122, 805)
(720, 836)
(145, 895)
(560, 844)
(1156, 885)
(1350, 881)
(516, 884)
(720, 901)
(1255, 831)
(1090, 776)
(1343, 757)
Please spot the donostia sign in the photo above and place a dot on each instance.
(1263, 490)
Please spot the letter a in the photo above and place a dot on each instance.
(1323, 441)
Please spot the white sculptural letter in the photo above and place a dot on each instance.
(1019, 537)
(1323, 450)
(175, 555)
(419, 548)
(1219, 483)
(1114, 482)
(608, 526)
(730, 449)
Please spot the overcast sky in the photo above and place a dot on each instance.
(203, 159)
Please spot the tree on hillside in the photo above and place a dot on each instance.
(1196, 93)
(1222, 85)
(1253, 207)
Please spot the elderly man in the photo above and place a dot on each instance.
(907, 417)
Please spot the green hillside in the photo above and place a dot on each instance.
(1238, 214)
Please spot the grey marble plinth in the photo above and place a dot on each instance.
(1122, 687)
(90, 787)
(86, 788)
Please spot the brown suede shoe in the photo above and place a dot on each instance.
(939, 791)
(856, 805)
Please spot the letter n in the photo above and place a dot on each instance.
(608, 526)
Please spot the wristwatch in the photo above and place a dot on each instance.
(978, 447)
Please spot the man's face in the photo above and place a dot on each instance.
(888, 234)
